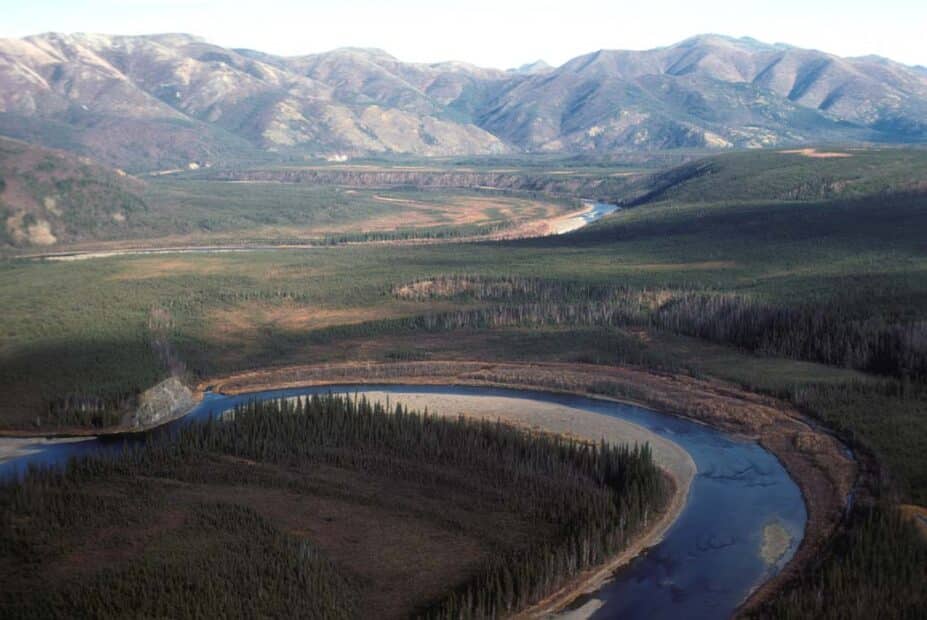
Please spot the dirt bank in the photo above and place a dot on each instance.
(814, 459)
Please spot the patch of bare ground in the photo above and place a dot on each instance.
(232, 323)
(814, 458)
(816, 154)
(160, 267)
(462, 212)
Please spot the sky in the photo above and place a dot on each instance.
(491, 33)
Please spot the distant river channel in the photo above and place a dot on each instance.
(743, 520)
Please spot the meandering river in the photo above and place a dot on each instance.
(592, 212)
(743, 520)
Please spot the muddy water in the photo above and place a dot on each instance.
(743, 520)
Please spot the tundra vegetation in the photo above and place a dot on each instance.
(798, 277)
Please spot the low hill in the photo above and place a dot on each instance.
(799, 174)
(48, 196)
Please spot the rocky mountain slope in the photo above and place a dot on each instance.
(164, 101)
(711, 91)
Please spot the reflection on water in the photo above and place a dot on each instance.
(709, 560)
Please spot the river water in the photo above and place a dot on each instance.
(706, 565)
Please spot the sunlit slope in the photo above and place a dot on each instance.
(792, 174)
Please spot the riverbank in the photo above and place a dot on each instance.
(590, 581)
(550, 418)
(818, 462)
(17, 447)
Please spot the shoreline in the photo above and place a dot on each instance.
(592, 580)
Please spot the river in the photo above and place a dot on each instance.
(743, 520)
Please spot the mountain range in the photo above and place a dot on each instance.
(165, 101)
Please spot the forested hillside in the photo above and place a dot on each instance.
(48, 197)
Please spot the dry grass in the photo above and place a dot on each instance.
(238, 321)
(241, 322)
(159, 267)
(459, 211)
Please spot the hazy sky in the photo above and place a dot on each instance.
(497, 33)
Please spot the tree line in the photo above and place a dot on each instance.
(825, 333)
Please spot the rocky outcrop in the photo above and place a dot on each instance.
(166, 401)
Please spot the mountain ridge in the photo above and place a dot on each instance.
(165, 100)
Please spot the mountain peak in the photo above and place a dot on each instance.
(531, 68)
(370, 52)
(722, 40)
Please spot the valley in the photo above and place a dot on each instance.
(720, 291)
(495, 311)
